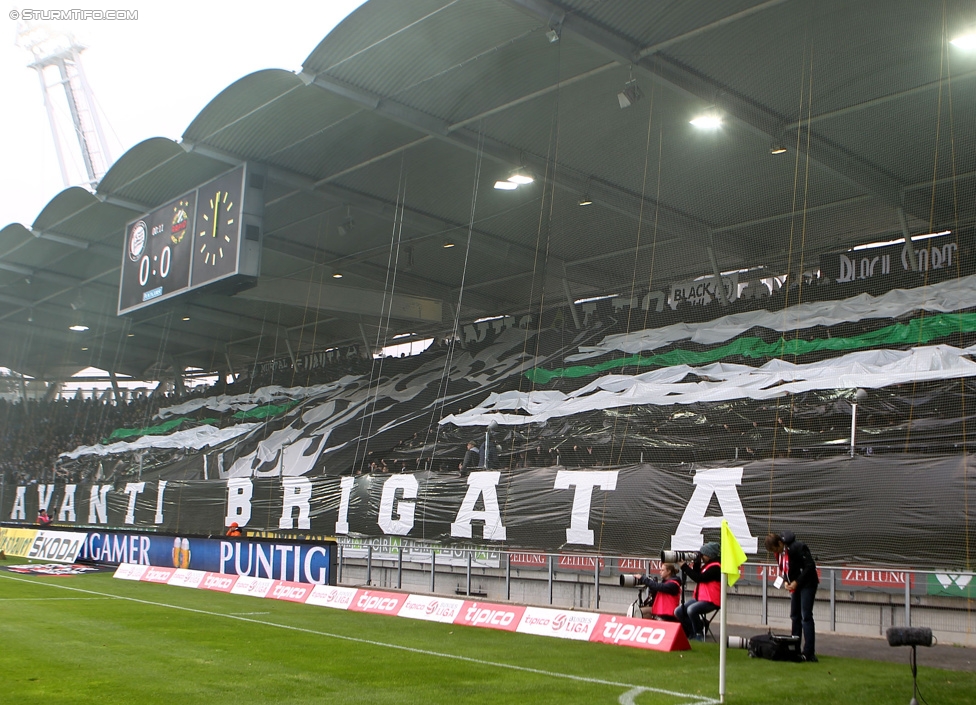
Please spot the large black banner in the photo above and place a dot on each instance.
(910, 511)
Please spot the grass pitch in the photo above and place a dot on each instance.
(93, 639)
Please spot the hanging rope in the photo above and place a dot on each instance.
(386, 311)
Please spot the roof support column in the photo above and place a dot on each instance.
(115, 387)
(719, 286)
(909, 246)
(569, 299)
(230, 365)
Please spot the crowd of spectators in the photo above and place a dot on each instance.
(34, 433)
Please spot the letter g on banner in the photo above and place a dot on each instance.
(404, 510)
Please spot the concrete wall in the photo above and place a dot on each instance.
(952, 620)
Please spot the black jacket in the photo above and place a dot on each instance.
(803, 569)
(471, 460)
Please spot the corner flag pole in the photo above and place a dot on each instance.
(732, 557)
(723, 641)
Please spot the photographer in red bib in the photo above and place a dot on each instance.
(798, 571)
(706, 571)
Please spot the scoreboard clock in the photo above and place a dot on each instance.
(195, 240)
(217, 230)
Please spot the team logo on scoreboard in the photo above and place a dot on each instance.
(137, 240)
(180, 222)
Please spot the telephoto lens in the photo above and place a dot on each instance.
(738, 642)
(630, 580)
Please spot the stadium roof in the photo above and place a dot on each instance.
(405, 116)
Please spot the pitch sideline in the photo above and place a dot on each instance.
(697, 700)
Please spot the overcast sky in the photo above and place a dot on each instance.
(150, 76)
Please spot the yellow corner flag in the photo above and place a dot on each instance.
(732, 554)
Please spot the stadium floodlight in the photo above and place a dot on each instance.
(708, 121)
(521, 177)
(966, 42)
(630, 94)
(506, 185)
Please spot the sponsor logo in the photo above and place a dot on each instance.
(257, 587)
(529, 559)
(56, 569)
(638, 565)
(431, 609)
(218, 582)
(293, 592)
(875, 578)
(187, 578)
(475, 614)
(130, 571)
(629, 632)
(950, 585)
(559, 623)
(158, 575)
(579, 563)
(331, 596)
(378, 602)
(58, 546)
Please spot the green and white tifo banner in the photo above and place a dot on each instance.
(911, 511)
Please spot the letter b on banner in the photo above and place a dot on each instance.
(239, 492)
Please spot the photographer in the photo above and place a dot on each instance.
(664, 594)
(799, 571)
(706, 571)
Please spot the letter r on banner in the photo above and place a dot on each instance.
(296, 493)
(584, 481)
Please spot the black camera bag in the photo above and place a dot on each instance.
(775, 648)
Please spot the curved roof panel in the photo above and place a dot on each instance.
(385, 149)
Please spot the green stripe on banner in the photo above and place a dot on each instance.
(157, 430)
(915, 332)
(263, 412)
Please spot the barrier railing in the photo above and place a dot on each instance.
(868, 586)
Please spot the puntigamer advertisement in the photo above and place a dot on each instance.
(295, 561)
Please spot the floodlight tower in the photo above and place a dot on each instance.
(57, 56)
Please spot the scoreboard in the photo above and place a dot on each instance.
(210, 234)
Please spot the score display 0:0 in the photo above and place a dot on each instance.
(165, 257)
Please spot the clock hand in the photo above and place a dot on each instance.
(216, 213)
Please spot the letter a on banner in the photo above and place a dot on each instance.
(722, 483)
(480, 484)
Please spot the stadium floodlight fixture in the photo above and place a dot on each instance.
(506, 185)
(630, 94)
(966, 42)
(520, 177)
(585, 200)
(348, 223)
(448, 244)
(78, 327)
(337, 275)
(777, 149)
(553, 34)
(707, 121)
